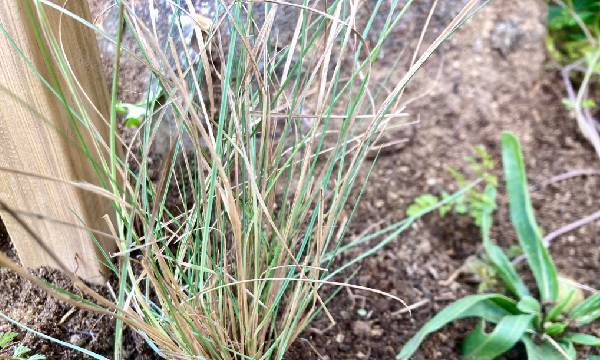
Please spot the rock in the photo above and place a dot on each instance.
(361, 328)
(506, 37)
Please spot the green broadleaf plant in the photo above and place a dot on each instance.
(549, 326)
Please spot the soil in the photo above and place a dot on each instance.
(491, 76)
(29, 305)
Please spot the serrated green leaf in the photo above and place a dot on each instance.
(503, 266)
(481, 346)
(460, 208)
(523, 219)
(421, 203)
(6, 338)
(489, 307)
(20, 351)
(582, 339)
(486, 159)
(458, 177)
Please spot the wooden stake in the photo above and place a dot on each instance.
(37, 136)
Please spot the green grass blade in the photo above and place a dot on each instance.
(481, 346)
(505, 269)
(523, 219)
(490, 307)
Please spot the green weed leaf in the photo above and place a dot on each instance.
(547, 351)
(6, 338)
(20, 351)
(36, 357)
(503, 266)
(489, 307)
(561, 306)
(555, 329)
(529, 305)
(481, 346)
(587, 311)
(421, 203)
(582, 339)
(133, 114)
(523, 219)
(588, 318)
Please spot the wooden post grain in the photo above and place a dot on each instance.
(37, 136)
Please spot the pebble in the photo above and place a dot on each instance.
(361, 328)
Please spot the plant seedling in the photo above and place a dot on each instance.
(473, 201)
(549, 325)
(20, 352)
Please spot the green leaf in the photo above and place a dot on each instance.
(460, 208)
(555, 329)
(588, 318)
(20, 351)
(529, 305)
(569, 296)
(558, 309)
(588, 307)
(489, 307)
(133, 113)
(6, 338)
(486, 159)
(503, 266)
(547, 351)
(480, 346)
(582, 339)
(445, 208)
(458, 177)
(421, 203)
(523, 219)
(36, 357)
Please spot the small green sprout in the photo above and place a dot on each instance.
(20, 352)
(472, 202)
(134, 114)
(550, 325)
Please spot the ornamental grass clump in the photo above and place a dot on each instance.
(267, 141)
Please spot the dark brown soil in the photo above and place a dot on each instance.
(492, 76)
(31, 306)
